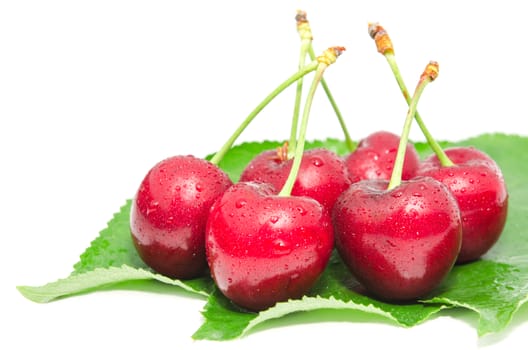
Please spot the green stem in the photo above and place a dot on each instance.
(305, 44)
(396, 176)
(221, 153)
(348, 139)
(442, 156)
(290, 181)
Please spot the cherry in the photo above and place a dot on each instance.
(169, 212)
(460, 155)
(400, 239)
(399, 243)
(478, 185)
(263, 247)
(322, 175)
(374, 158)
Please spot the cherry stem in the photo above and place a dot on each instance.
(442, 156)
(385, 47)
(299, 74)
(348, 140)
(328, 57)
(305, 32)
(429, 74)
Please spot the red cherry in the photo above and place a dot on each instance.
(169, 213)
(322, 175)
(400, 243)
(263, 248)
(374, 158)
(477, 183)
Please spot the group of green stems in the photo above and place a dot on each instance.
(295, 145)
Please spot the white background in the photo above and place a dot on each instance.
(93, 93)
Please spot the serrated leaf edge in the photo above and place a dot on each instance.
(482, 328)
(76, 283)
(101, 234)
(308, 303)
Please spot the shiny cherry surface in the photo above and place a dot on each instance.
(322, 175)
(477, 183)
(374, 158)
(263, 248)
(169, 213)
(401, 243)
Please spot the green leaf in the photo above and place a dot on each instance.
(493, 290)
(95, 279)
(494, 287)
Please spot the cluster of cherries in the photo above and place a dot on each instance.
(399, 223)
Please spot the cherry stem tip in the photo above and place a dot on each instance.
(381, 38)
(330, 55)
(303, 26)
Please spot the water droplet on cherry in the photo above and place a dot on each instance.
(274, 219)
(153, 206)
(318, 162)
(280, 247)
(301, 211)
(240, 203)
(389, 242)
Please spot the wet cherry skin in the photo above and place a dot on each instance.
(400, 243)
(477, 183)
(169, 214)
(374, 158)
(263, 248)
(322, 175)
